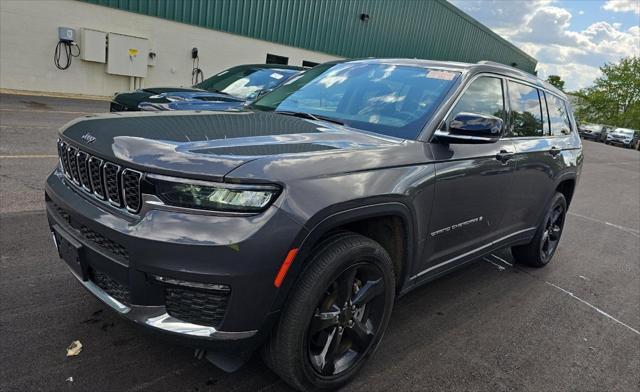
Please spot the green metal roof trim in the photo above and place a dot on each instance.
(431, 29)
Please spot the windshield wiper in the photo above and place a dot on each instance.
(316, 117)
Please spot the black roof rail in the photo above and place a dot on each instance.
(487, 62)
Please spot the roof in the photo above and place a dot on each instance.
(471, 68)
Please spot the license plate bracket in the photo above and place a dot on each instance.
(69, 250)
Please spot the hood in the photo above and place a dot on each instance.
(131, 99)
(191, 100)
(208, 145)
(162, 90)
(192, 105)
(621, 135)
(202, 96)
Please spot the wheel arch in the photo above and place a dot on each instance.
(358, 219)
(567, 186)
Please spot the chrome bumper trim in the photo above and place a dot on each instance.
(158, 318)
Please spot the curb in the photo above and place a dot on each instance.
(54, 95)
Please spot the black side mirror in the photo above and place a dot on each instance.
(471, 128)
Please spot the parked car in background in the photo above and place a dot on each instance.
(239, 83)
(605, 131)
(195, 100)
(595, 132)
(293, 224)
(623, 137)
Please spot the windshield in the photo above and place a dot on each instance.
(246, 81)
(394, 100)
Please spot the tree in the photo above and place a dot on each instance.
(614, 98)
(556, 81)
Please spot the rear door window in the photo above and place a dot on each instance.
(526, 112)
(545, 113)
(558, 116)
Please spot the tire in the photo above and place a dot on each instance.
(541, 249)
(294, 348)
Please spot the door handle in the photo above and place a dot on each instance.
(504, 156)
(555, 151)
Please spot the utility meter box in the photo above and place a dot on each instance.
(127, 55)
(93, 45)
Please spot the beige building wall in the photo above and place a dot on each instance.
(28, 35)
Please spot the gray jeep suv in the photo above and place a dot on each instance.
(294, 224)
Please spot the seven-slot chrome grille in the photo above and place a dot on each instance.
(105, 180)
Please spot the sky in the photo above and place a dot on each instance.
(570, 38)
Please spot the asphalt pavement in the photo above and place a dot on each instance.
(572, 326)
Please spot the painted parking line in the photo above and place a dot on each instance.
(498, 266)
(602, 312)
(629, 230)
(36, 156)
(567, 292)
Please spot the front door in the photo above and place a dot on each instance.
(472, 183)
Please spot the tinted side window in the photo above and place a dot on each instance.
(545, 114)
(483, 96)
(558, 116)
(526, 114)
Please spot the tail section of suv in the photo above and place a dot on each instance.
(292, 225)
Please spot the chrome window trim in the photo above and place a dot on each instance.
(475, 77)
(504, 78)
(124, 193)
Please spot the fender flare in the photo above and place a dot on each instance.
(561, 178)
(325, 222)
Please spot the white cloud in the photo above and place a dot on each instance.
(544, 31)
(623, 6)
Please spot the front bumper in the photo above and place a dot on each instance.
(619, 142)
(242, 253)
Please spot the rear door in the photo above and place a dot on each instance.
(540, 130)
(471, 182)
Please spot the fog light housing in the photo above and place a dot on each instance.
(194, 285)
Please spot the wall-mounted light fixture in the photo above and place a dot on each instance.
(364, 17)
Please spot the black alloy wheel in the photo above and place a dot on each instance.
(346, 319)
(544, 244)
(335, 315)
(553, 229)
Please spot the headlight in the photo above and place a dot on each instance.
(206, 195)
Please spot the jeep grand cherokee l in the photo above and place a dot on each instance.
(293, 225)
